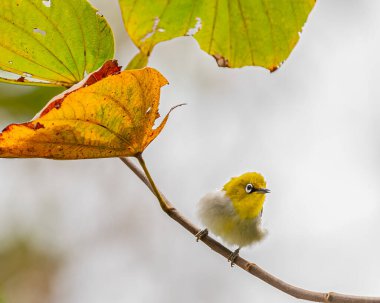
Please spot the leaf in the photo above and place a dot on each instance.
(112, 117)
(24, 104)
(51, 42)
(235, 32)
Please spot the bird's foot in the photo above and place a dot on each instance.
(232, 257)
(202, 233)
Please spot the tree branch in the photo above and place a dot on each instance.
(252, 268)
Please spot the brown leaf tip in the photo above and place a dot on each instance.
(276, 67)
(110, 67)
(221, 61)
(175, 106)
(273, 69)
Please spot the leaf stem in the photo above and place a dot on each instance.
(165, 207)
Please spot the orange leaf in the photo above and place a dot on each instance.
(112, 117)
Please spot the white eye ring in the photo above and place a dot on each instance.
(249, 188)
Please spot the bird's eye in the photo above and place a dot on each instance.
(249, 188)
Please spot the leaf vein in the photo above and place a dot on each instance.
(213, 26)
(246, 32)
(41, 44)
(61, 35)
(34, 62)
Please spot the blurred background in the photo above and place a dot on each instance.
(90, 231)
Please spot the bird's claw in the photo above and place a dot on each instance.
(202, 233)
(232, 257)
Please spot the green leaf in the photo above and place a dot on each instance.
(57, 42)
(236, 32)
(27, 102)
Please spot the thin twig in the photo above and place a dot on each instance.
(252, 268)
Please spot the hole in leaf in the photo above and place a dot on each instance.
(154, 29)
(196, 28)
(148, 110)
(39, 31)
(47, 3)
(16, 77)
(161, 30)
(10, 62)
(26, 75)
(99, 14)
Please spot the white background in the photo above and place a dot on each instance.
(311, 128)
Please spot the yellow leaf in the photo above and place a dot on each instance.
(112, 117)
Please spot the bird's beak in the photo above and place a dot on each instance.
(263, 190)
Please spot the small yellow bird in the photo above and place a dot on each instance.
(234, 213)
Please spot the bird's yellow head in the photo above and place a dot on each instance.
(247, 193)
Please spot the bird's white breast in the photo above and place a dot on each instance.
(217, 213)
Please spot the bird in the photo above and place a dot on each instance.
(234, 212)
